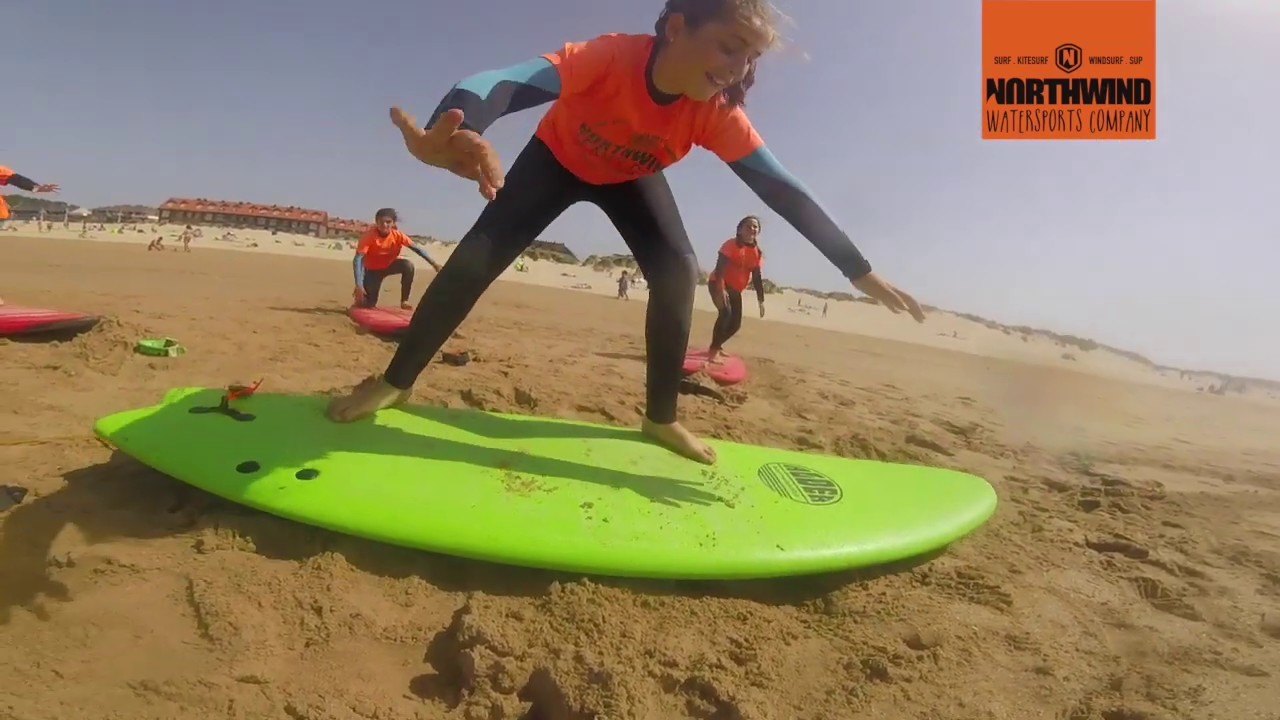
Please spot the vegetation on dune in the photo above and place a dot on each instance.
(605, 263)
(551, 251)
(26, 202)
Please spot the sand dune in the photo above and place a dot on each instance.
(1132, 570)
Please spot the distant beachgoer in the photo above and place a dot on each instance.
(378, 257)
(623, 284)
(824, 309)
(22, 182)
(737, 264)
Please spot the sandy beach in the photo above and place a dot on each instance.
(1132, 571)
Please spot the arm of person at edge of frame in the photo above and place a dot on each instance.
(22, 182)
(486, 96)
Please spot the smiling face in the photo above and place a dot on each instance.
(749, 231)
(385, 225)
(701, 62)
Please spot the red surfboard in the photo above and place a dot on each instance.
(728, 370)
(381, 321)
(16, 320)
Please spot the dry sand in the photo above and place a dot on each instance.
(1132, 571)
(945, 330)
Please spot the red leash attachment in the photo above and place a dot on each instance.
(236, 392)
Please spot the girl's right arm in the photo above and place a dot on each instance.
(357, 262)
(487, 96)
(358, 267)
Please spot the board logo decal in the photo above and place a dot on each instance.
(799, 483)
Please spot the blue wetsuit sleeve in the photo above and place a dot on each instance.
(22, 182)
(785, 195)
(487, 96)
(422, 253)
(358, 266)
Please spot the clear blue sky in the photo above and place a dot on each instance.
(1166, 247)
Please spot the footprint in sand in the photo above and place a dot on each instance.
(1165, 598)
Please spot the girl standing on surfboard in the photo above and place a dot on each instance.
(624, 108)
(9, 177)
(378, 257)
(738, 263)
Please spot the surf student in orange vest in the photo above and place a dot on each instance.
(623, 108)
(737, 264)
(378, 257)
(22, 182)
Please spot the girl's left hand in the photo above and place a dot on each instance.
(761, 309)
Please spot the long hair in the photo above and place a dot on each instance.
(699, 12)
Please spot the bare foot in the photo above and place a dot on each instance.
(370, 396)
(677, 439)
(406, 306)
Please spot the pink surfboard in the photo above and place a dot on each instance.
(728, 370)
(16, 320)
(381, 321)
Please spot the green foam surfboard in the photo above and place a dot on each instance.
(547, 493)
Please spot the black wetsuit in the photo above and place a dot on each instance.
(536, 191)
(538, 188)
(21, 182)
(372, 281)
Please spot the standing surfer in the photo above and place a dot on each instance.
(624, 108)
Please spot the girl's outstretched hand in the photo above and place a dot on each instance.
(462, 152)
(888, 295)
